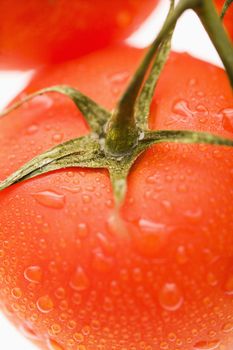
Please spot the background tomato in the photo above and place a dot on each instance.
(74, 274)
(228, 19)
(53, 31)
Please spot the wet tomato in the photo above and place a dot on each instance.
(73, 273)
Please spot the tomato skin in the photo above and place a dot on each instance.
(160, 278)
(228, 18)
(53, 31)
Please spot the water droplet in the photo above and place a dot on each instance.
(194, 216)
(60, 293)
(32, 129)
(172, 337)
(86, 330)
(72, 189)
(228, 287)
(228, 327)
(100, 262)
(50, 199)
(78, 337)
(181, 255)
(212, 279)
(58, 137)
(150, 237)
(79, 281)
(71, 324)
(181, 107)
(33, 274)
(43, 101)
(55, 329)
(164, 345)
(167, 205)
(202, 113)
(106, 244)
(192, 82)
(207, 345)
(227, 119)
(16, 293)
(117, 80)
(45, 304)
(53, 345)
(119, 77)
(82, 230)
(170, 297)
(86, 198)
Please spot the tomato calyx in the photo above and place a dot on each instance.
(117, 139)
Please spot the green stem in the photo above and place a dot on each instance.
(212, 23)
(122, 134)
(226, 5)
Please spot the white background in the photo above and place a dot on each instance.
(189, 36)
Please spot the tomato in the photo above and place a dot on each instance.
(228, 19)
(53, 31)
(77, 275)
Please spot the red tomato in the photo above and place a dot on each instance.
(74, 275)
(228, 19)
(53, 31)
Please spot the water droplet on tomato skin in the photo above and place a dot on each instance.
(228, 287)
(228, 327)
(71, 324)
(207, 345)
(60, 293)
(106, 243)
(55, 329)
(101, 262)
(227, 119)
(45, 304)
(33, 274)
(16, 293)
(78, 337)
(170, 297)
(172, 337)
(212, 280)
(79, 281)
(202, 113)
(149, 237)
(181, 255)
(50, 199)
(82, 230)
(118, 78)
(32, 129)
(58, 137)
(164, 346)
(194, 216)
(181, 108)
